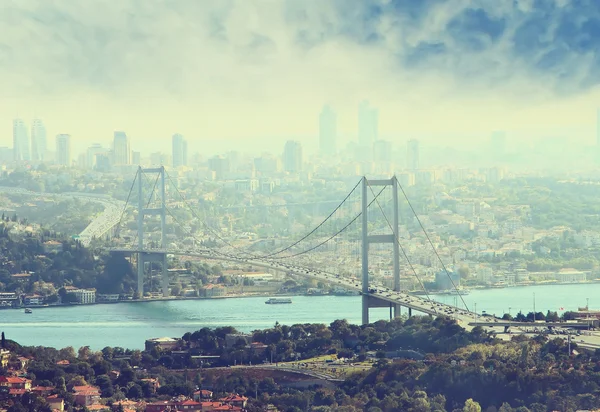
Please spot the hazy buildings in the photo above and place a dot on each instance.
(368, 125)
(220, 166)
(327, 131)
(266, 164)
(136, 157)
(412, 155)
(121, 149)
(38, 141)
(292, 156)
(20, 141)
(63, 150)
(179, 150)
(91, 155)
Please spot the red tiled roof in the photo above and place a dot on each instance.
(189, 402)
(85, 388)
(11, 379)
(17, 391)
(210, 404)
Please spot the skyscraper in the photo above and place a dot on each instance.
(121, 149)
(63, 150)
(368, 125)
(327, 131)
(91, 155)
(38, 141)
(179, 150)
(292, 156)
(412, 155)
(20, 141)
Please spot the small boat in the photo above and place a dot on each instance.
(27, 310)
(275, 301)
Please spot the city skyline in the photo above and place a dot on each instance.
(472, 69)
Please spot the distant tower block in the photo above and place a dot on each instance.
(152, 256)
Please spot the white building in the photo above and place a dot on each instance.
(85, 296)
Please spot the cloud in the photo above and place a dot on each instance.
(270, 64)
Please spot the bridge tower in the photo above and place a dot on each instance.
(147, 256)
(367, 300)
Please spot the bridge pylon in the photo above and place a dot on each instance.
(369, 301)
(144, 256)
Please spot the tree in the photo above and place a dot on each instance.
(471, 406)
(3, 341)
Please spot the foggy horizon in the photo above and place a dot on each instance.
(250, 75)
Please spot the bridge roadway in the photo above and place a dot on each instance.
(466, 319)
(376, 291)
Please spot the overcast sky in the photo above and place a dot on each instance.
(250, 69)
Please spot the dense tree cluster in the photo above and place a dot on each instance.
(457, 370)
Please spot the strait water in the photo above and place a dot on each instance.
(129, 324)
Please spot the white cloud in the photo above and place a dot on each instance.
(234, 69)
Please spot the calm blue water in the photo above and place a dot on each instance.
(130, 324)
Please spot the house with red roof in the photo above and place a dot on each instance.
(235, 400)
(13, 382)
(86, 395)
(202, 395)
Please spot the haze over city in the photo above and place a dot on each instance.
(299, 205)
(251, 74)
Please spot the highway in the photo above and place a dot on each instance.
(101, 224)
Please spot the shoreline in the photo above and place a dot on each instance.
(169, 299)
(266, 295)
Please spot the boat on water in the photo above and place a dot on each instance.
(27, 310)
(277, 301)
(461, 292)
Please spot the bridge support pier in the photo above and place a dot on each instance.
(389, 238)
(161, 211)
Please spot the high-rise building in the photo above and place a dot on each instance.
(292, 156)
(327, 131)
(179, 150)
(136, 157)
(91, 153)
(20, 141)
(412, 155)
(121, 149)
(220, 165)
(63, 150)
(38, 141)
(368, 125)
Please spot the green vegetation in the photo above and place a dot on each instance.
(456, 370)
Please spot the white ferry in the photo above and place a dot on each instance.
(277, 301)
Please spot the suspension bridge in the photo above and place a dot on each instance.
(361, 233)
